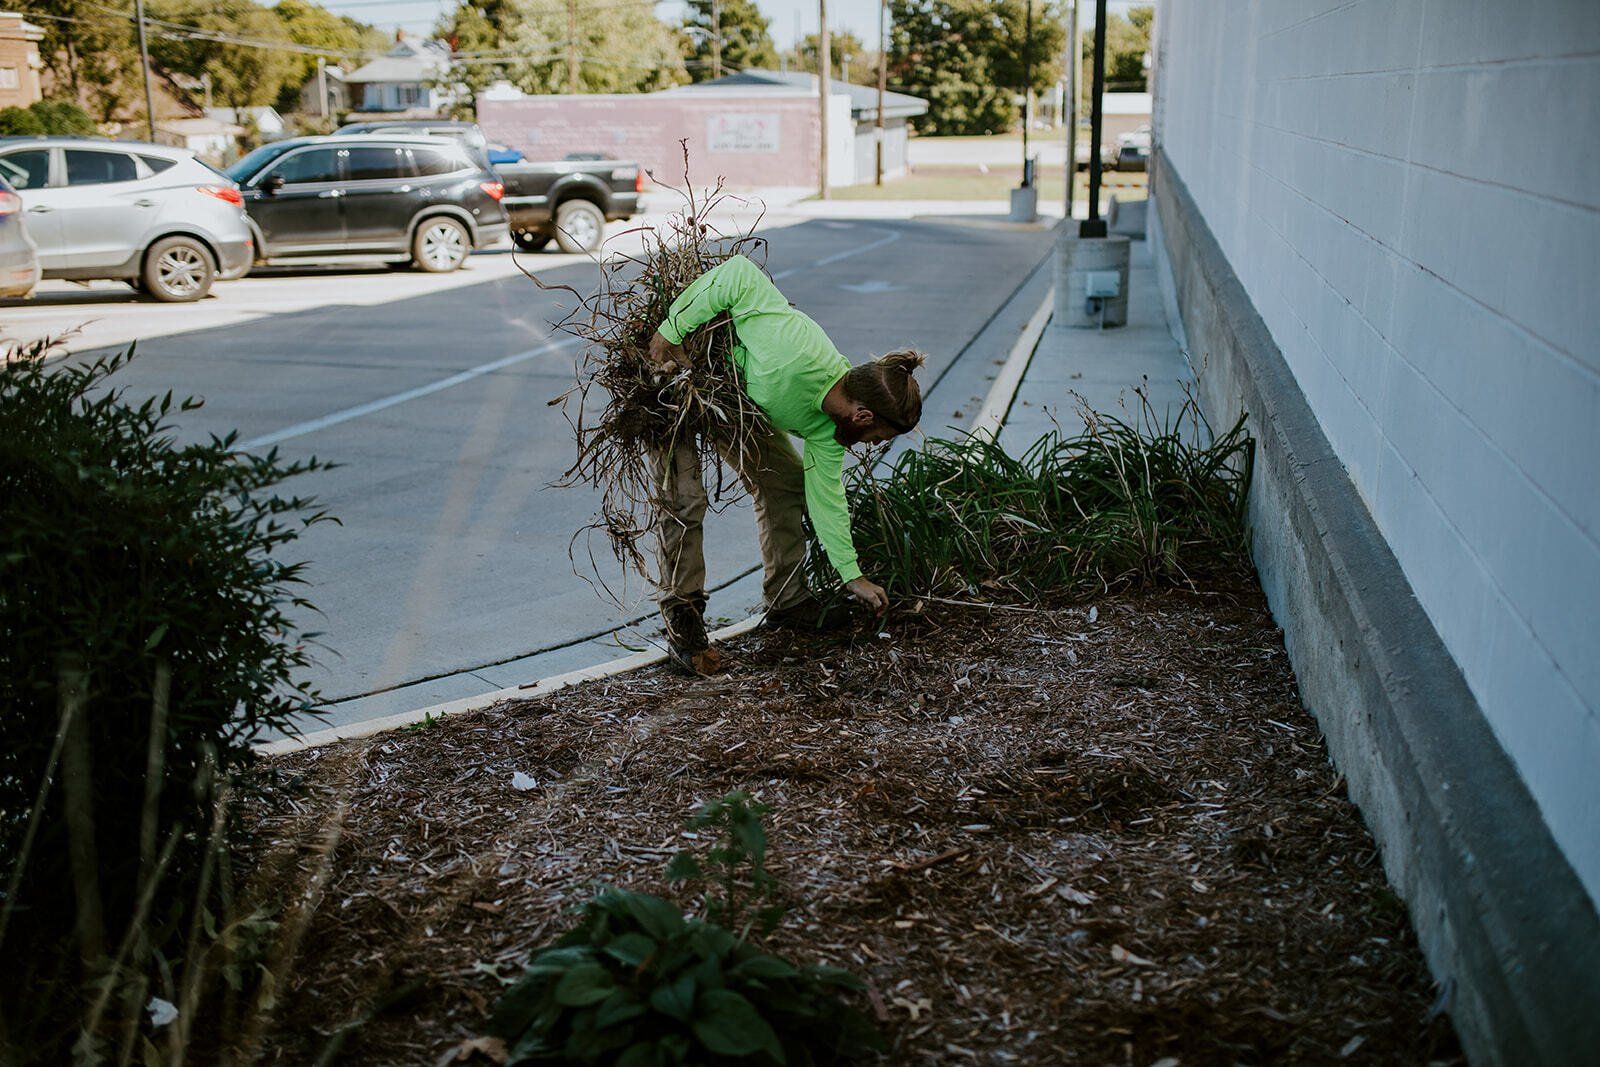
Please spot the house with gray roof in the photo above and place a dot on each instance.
(402, 82)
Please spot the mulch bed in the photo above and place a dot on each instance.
(1095, 833)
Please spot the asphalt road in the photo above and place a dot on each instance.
(453, 548)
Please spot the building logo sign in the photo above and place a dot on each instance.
(742, 132)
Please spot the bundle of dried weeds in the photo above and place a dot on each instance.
(625, 410)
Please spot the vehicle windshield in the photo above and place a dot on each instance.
(247, 165)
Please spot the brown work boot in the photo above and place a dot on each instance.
(810, 615)
(687, 645)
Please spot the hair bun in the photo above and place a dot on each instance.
(905, 359)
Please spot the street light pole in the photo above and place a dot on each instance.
(716, 39)
(883, 77)
(1094, 225)
(825, 67)
(144, 60)
(572, 46)
(1027, 92)
(1073, 49)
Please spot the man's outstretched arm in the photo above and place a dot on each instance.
(830, 517)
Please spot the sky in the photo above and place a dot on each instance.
(790, 18)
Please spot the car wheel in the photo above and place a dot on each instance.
(530, 240)
(580, 226)
(441, 245)
(178, 270)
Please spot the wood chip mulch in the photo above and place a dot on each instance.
(1096, 833)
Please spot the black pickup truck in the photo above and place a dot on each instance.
(571, 200)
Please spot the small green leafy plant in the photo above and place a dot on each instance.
(636, 984)
(733, 867)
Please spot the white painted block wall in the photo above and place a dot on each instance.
(1410, 192)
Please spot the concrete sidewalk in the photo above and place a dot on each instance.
(1104, 367)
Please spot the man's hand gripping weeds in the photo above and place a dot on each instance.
(869, 593)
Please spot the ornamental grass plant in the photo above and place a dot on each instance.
(1120, 505)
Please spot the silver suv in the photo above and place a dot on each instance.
(152, 216)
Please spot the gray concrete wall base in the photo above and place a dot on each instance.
(1504, 922)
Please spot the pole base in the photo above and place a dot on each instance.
(1025, 204)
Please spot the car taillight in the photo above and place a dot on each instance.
(638, 181)
(225, 193)
(10, 204)
(494, 189)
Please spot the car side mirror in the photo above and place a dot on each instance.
(273, 183)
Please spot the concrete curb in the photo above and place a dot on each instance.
(990, 418)
(997, 405)
(400, 720)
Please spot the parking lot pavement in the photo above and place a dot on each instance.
(107, 314)
(454, 554)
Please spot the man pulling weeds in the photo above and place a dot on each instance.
(806, 388)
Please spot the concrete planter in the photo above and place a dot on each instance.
(1083, 265)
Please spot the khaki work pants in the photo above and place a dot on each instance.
(772, 473)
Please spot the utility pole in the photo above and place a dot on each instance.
(883, 77)
(1094, 225)
(572, 46)
(144, 60)
(825, 75)
(1073, 50)
(1027, 93)
(322, 85)
(716, 38)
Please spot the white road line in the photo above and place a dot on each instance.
(893, 235)
(301, 428)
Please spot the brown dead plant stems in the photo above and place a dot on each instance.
(624, 409)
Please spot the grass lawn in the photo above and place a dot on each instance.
(960, 182)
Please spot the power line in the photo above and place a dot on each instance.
(554, 51)
(180, 31)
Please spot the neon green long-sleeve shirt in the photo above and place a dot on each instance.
(788, 365)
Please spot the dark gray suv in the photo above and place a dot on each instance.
(422, 200)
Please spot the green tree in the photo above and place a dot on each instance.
(746, 37)
(850, 58)
(306, 23)
(1010, 55)
(622, 48)
(242, 74)
(89, 54)
(1127, 44)
(53, 118)
(967, 58)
